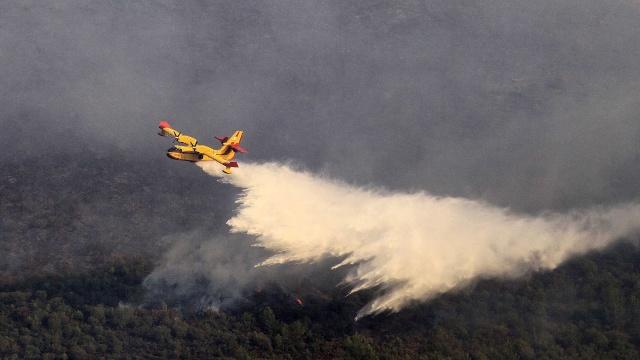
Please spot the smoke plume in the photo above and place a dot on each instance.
(413, 245)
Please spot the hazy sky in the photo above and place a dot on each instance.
(528, 104)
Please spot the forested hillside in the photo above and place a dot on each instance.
(85, 209)
(588, 308)
(79, 238)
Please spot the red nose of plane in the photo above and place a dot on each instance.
(164, 124)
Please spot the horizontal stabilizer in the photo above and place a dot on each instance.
(222, 139)
(231, 164)
(238, 148)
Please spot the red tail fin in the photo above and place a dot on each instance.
(231, 164)
(238, 148)
(164, 124)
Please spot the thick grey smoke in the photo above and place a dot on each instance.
(415, 245)
(527, 104)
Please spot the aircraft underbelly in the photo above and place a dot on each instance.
(183, 156)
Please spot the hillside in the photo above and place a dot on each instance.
(80, 237)
(587, 308)
(85, 209)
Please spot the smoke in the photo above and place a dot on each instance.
(204, 272)
(514, 101)
(414, 245)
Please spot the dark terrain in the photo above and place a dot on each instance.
(79, 237)
(75, 212)
(587, 308)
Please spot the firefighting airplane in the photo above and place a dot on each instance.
(190, 150)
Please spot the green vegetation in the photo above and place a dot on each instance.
(588, 308)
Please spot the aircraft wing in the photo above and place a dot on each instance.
(166, 130)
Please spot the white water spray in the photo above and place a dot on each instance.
(413, 244)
